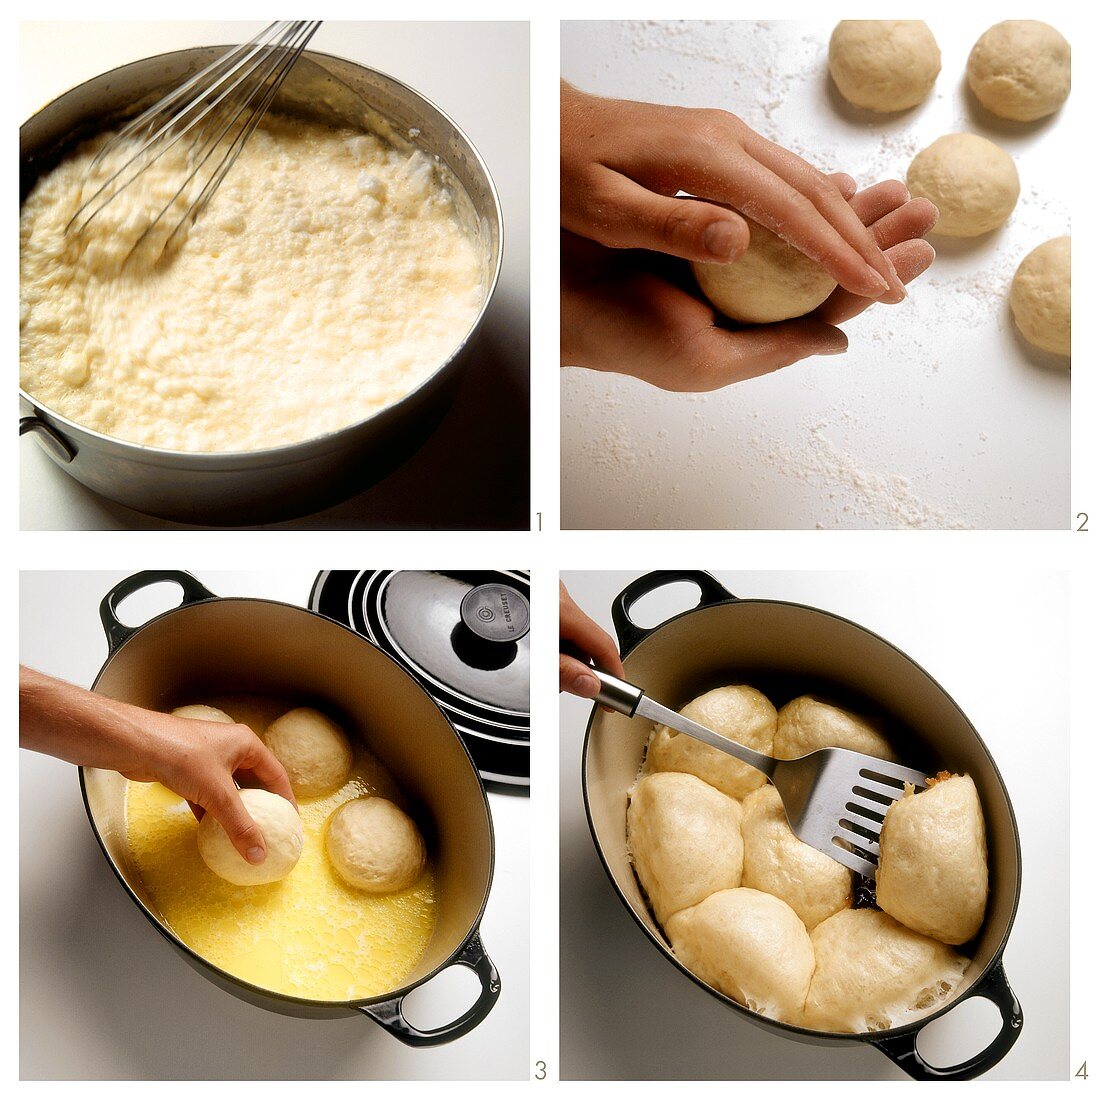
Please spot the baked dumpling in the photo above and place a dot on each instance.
(808, 723)
(739, 712)
(777, 862)
(750, 946)
(872, 973)
(685, 839)
(932, 867)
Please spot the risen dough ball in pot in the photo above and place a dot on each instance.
(283, 834)
(872, 973)
(807, 723)
(1040, 296)
(199, 712)
(314, 751)
(1021, 69)
(771, 281)
(685, 839)
(932, 868)
(739, 712)
(973, 183)
(775, 861)
(750, 946)
(374, 846)
(884, 64)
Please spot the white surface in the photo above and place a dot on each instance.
(998, 643)
(93, 971)
(457, 479)
(938, 416)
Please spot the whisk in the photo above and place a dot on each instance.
(216, 111)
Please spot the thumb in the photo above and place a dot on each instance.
(634, 217)
(238, 824)
(577, 679)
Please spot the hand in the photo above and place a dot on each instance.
(639, 313)
(622, 165)
(588, 637)
(201, 761)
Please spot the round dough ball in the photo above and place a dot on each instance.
(282, 831)
(771, 281)
(1040, 296)
(685, 839)
(872, 973)
(973, 183)
(739, 712)
(775, 861)
(374, 846)
(884, 64)
(199, 712)
(750, 946)
(932, 867)
(807, 723)
(315, 752)
(1021, 69)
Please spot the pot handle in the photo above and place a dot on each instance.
(117, 631)
(993, 987)
(52, 440)
(629, 634)
(391, 1017)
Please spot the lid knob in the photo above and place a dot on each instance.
(496, 613)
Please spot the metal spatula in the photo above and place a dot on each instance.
(834, 799)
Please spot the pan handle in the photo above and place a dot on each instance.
(993, 987)
(54, 442)
(391, 1016)
(629, 634)
(117, 631)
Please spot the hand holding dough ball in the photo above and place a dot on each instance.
(884, 64)
(973, 183)
(771, 281)
(1040, 296)
(739, 712)
(1021, 69)
(283, 835)
(315, 752)
(374, 846)
(932, 868)
(872, 973)
(777, 862)
(750, 946)
(806, 724)
(685, 840)
(199, 712)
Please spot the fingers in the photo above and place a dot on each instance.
(265, 769)
(589, 638)
(631, 216)
(880, 199)
(577, 679)
(244, 833)
(717, 357)
(846, 184)
(910, 258)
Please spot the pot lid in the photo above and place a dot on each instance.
(464, 634)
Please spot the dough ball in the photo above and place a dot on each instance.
(750, 946)
(807, 723)
(973, 183)
(775, 861)
(374, 846)
(739, 712)
(685, 839)
(872, 973)
(314, 751)
(884, 64)
(932, 868)
(1040, 296)
(771, 281)
(199, 712)
(282, 831)
(1021, 69)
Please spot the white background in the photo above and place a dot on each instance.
(93, 970)
(477, 74)
(974, 633)
(938, 416)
